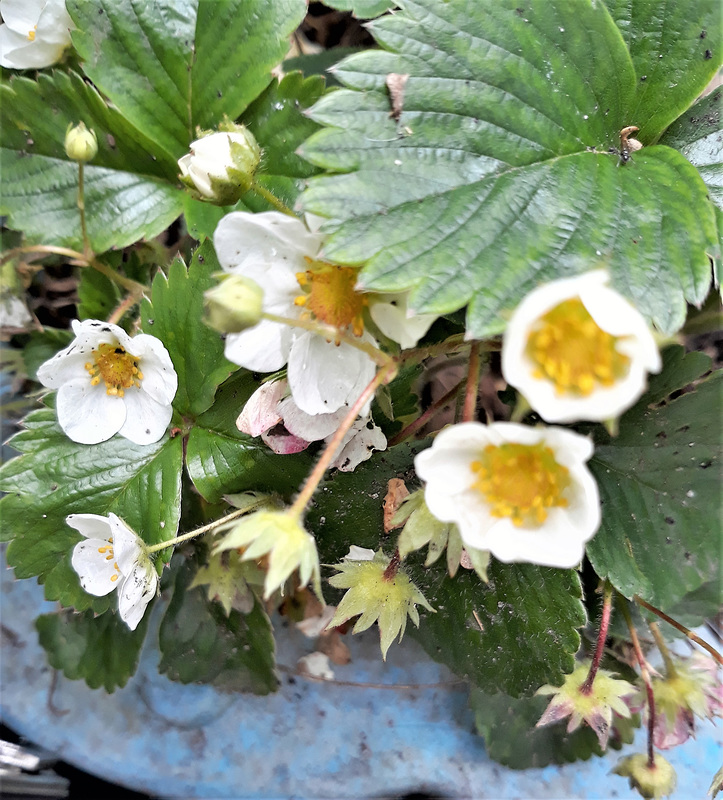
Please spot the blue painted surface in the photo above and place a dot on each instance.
(309, 740)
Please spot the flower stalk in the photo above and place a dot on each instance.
(422, 419)
(384, 375)
(87, 249)
(473, 375)
(272, 199)
(646, 680)
(679, 626)
(586, 688)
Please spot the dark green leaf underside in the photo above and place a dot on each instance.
(102, 651)
(659, 483)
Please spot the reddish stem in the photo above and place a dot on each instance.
(422, 420)
(646, 679)
(472, 388)
(607, 608)
(393, 566)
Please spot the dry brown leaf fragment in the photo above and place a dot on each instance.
(396, 492)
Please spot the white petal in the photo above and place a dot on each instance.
(283, 442)
(160, 380)
(357, 446)
(21, 16)
(242, 237)
(391, 317)
(324, 377)
(94, 569)
(54, 24)
(357, 553)
(146, 420)
(126, 544)
(264, 348)
(87, 414)
(311, 427)
(135, 593)
(92, 526)
(261, 410)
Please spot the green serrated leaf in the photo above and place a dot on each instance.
(319, 63)
(102, 651)
(696, 607)
(676, 50)
(97, 295)
(70, 100)
(43, 345)
(173, 314)
(278, 122)
(199, 643)
(698, 134)
(201, 218)
(55, 477)
(508, 727)
(660, 493)
(348, 508)
(482, 189)
(362, 9)
(40, 197)
(222, 460)
(679, 369)
(529, 617)
(173, 65)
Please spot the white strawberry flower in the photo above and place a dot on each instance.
(272, 414)
(112, 557)
(111, 383)
(34, 33)
(578, 350)
(282, 255)
(522, 493)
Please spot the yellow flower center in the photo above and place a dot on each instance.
(107, 551)
(569, 348)
(31, 34)
(116, 368)
(521, 481)
(330, 296)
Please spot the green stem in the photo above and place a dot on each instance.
(154, 548)
(132, 286)
(383, 375)
(452, 345)
(473, 375)
(670, 670)
(271, 198)
(87, 249)
(331, 333)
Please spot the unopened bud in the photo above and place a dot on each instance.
(233, 305)
(221, 166)
(81, 143)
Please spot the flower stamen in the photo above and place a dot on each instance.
(329, 295)
(31, 33)
(116, 368)
(521, 482)
(568, 347)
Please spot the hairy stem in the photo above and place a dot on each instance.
(471, 390)
(602, 635)
(184, 537)
(332, 334)
(383, 375)
(87, 249)
(679, 626)
(645, 676)
(393, 566)
(271, 198)
(422, 420)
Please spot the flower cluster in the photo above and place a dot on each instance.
(283, 256)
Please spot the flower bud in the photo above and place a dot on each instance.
(221, 166)
(233, 305)
(81, 144)
(656, 781)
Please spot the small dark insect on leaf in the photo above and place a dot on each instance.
(628, 145)
(396, 83)
(708, 54)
